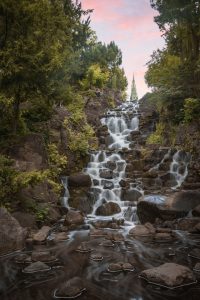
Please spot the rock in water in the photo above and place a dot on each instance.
(36, 267)
(108, 209)
(41, 235)
(12, 235)
(169, 274)
(70, 288)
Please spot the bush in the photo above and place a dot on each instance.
(191, 110)
(157, 136)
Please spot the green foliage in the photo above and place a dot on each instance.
(95, 77)
(157, 136)
(191, 110)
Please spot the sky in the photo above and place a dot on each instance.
(130, 24)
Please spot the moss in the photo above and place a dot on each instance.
(158, 136)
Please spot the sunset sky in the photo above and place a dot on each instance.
(130, 24)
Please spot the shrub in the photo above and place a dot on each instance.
(191, 110)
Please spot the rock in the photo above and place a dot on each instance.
(162, 236)
(79, 180)
(184, 201)
(148, 211)
(169, 274)
(108, 209)
(196, 211)
(109, 185)
(107, 174)
(131, 195)
(74, 218)
(142, 230)
(36, 267)
(115, 267)
(195, 253)
(163, 230)
(111, 165)
(12, 235)
(60, 236)
(41, 235)
(197, 267)
(25, 219)
(187, 224)
(127, 267)
(43, 256)
(115, 236)
(70, 288)
(196, 229)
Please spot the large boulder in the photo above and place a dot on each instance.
(176, 206)
(12, 235)
(108, 209)
(184, 201)
(79, 180)
(169, 274)
(143, 230)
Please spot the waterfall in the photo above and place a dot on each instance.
(179, 167)
(66, 196)
(107, 168)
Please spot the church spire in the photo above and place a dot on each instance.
(134, 95)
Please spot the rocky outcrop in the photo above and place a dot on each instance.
(12, 235)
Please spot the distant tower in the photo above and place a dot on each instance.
(134, 95)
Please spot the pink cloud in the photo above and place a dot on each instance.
(130, 24)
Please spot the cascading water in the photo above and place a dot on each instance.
(66, 196)
(107, 168)
(179, 167)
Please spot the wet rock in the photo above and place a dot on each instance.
(184, 201)
(187, 224)
(73, 217)
(97, 233)
(196, 211)
(107, 174)
(197, 267)
(195, 253)
(12, 235)
(107, 243)
(169, 274)
(83, 248)
(111, 165)
(108, 184)
(41, 235)
(71, 288)
(43, 256)
(79, 180)
(131, 195)
(142, 230)
(115, 236)
(149, 211)
(127, 267)
(115, 267)
(108, 209)
(36, 267)
(96, 257)
(60, 237)
(163, 230)
(162, 236)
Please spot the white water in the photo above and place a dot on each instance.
(66, 196)
(179, 167)
(120, 123)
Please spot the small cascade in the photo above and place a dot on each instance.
(66, 196)
(107, 168)
(179, 167)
